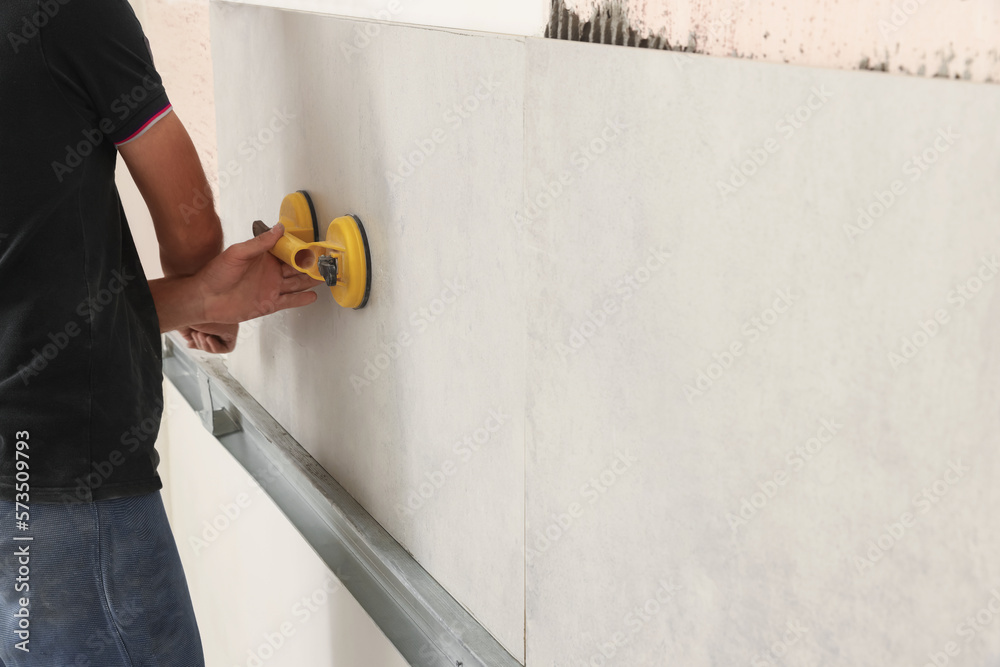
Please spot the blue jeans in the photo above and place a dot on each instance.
(105, 587)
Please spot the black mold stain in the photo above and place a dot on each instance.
(607, 25)
(866, 64)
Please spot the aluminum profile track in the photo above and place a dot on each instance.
(426, 625)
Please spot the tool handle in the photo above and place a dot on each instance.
(293, 251)
(259, 227)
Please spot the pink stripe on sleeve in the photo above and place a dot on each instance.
(159, 114)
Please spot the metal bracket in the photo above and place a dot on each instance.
(327, 266)
(425, 624)
(216, 420)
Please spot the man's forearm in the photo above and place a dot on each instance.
(179, 302)
(197, 235)
(189, 260)
(165, 167)
(203, 236)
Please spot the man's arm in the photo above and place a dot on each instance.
(203, 284)
(244, 282)
(165, 166)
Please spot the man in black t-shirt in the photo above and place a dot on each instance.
(81, 519)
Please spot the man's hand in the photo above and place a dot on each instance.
(246, 281)
(242, 283)
(214, 338)
(202, 286)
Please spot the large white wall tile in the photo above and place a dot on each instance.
(605, 251)
(415, 403)
(635, 546)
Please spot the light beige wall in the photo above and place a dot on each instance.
(178, 34)
(261, 594)
(957, 40)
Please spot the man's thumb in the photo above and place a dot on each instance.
(260, 244)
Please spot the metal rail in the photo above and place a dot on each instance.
(426, 625)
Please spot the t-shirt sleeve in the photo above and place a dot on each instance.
(99, 57)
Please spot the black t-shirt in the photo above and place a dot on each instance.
(80, 366)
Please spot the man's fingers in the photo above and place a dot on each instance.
(215, 344)
(288, 271)
(208, 342)
(295, 300)
(258, 245)
(298, 283)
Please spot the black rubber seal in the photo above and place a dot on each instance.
(368, 262)
(312, 212)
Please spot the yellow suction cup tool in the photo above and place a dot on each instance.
(342, 261)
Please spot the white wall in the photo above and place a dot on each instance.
(516, 17)
(445, 306)
(661, 537)
(591, 207)
(261, 594)
(753, 503)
